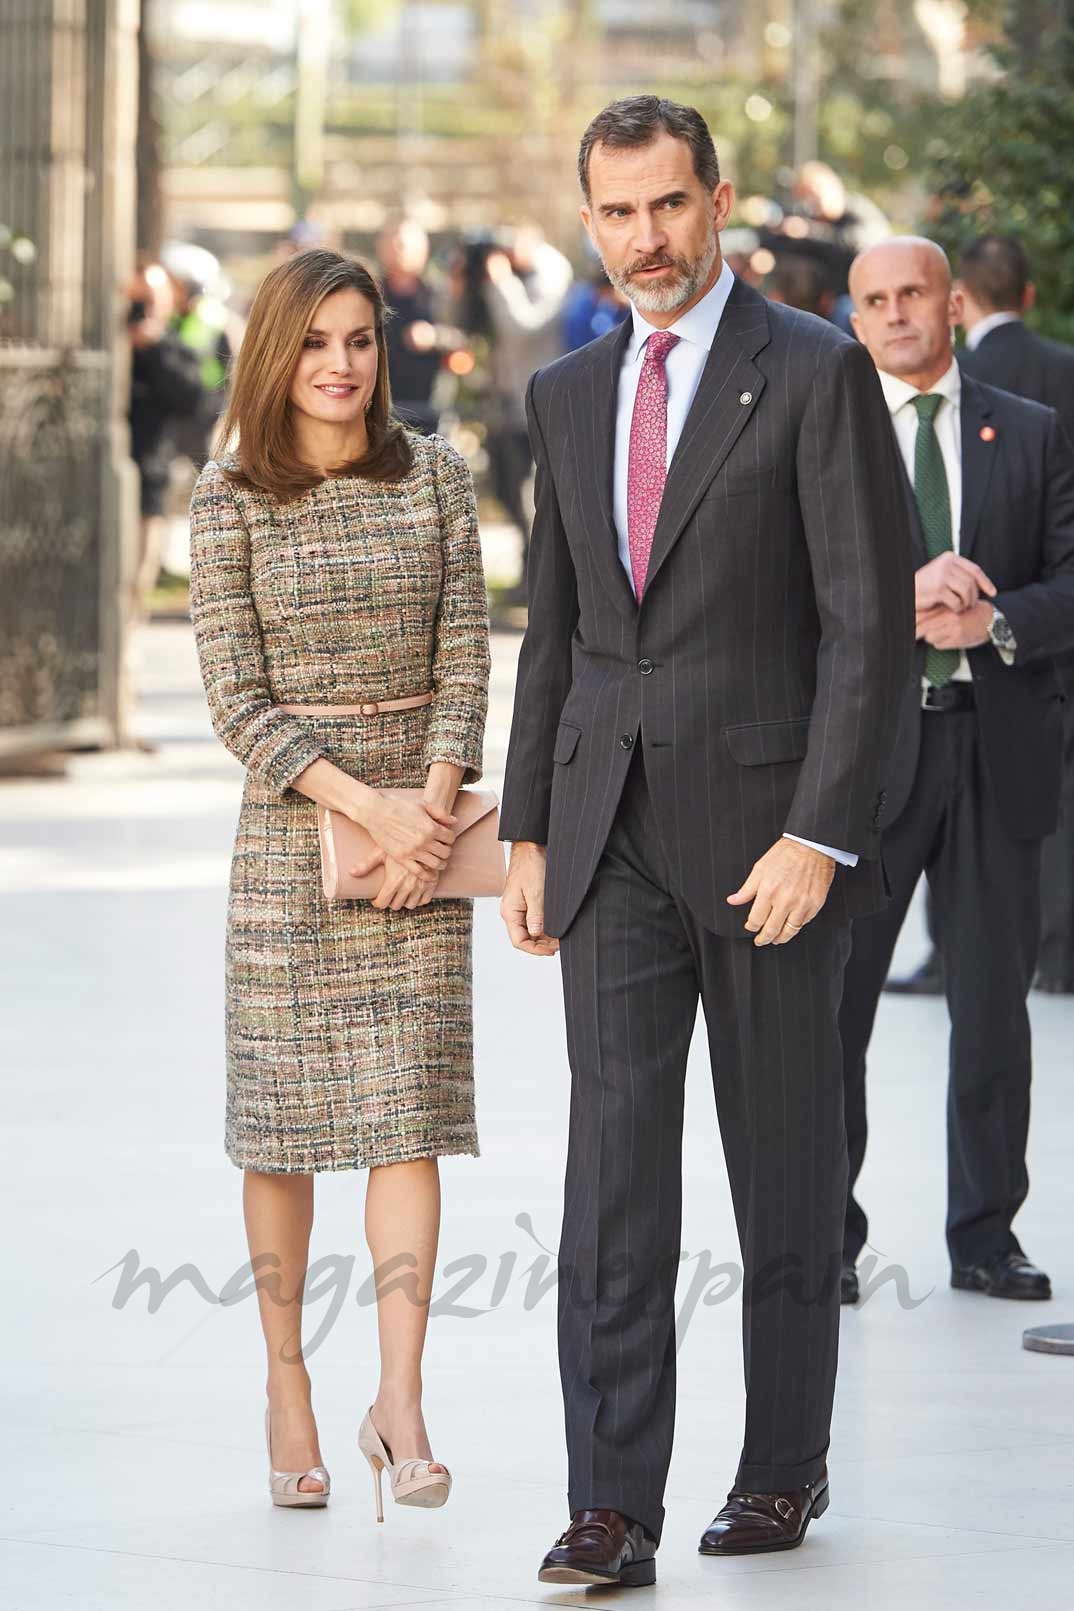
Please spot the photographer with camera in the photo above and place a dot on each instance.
(513, 290)
(166, 388)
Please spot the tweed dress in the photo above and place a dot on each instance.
(349, 1031)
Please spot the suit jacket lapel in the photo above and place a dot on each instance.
(978, 457)
(592, 424)
(726, 397)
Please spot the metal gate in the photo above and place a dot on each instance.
(68, 491)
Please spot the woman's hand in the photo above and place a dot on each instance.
(402, 890)
(416, 834)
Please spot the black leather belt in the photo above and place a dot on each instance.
(952, 696)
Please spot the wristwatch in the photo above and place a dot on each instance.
(1001, 637)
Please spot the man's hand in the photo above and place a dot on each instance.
(950, 582)
(146, 332)
(420, 336)
(951, 629)
(522, 906)
(498, 267)
(787, 886)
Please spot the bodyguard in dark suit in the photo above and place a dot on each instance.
(996, 287)
(973, 785)
(720, 622)
(994, 277)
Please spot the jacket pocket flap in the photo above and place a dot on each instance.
(763, 743)
(566, 741)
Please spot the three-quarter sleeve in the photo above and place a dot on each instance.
(273, 746)
(461, 650)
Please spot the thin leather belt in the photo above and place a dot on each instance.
(371, 707)
(952, 696)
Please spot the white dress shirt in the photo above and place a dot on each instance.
(696, 330)
(991, 321)
(900, 395)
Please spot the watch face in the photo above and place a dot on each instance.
(1000, 632)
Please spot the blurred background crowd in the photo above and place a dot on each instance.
(437, 141)
(158, 158)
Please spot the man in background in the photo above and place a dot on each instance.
(799, 282)
(525, 291)
(411, 332)
(166, 391)
(204, 324)
(973, 781)
(593, 307)
(997, 290)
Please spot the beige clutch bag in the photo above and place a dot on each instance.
(476, 866)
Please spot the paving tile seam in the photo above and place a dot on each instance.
(752, 1570)
(439, 1599)
(234, 1566)
(747, 1568)
(943, 1454)
(972, 1532)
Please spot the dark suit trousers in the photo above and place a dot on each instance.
(1057, 860)
(635, 962)
(986, 894)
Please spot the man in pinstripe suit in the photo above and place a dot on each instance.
(721, 621)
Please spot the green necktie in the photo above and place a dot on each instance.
(934, 507)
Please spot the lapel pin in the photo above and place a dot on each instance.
(745, 397)
(987, 434)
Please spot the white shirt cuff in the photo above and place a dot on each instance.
(845, 858)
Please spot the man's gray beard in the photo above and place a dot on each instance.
(663, 298)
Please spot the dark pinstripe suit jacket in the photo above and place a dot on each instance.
(763, 669)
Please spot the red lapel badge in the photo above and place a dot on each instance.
(987, 434)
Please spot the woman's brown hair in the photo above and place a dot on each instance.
(258, 419)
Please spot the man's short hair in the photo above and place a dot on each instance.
(637, 121)
(995, 271)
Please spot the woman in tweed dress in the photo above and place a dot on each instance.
(334, 561)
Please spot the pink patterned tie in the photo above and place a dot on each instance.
(647, 465)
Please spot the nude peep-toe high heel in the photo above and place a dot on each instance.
(283, 1485)
(412, 1481)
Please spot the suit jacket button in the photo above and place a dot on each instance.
(626, 742)
(645, 667)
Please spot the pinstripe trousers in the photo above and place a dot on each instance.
(635, 962)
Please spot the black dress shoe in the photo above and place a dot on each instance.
(1008, 1275)
(1053, 984)
(848, 1283)
(928, 980)
(750, 1524)
(601, 1546)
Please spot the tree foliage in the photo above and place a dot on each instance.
(1005, 161)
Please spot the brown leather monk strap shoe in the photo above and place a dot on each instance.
(751, 1523)
(601, 1546)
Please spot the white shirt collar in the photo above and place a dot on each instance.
(991, 321)
(898, 392)
(697, 325)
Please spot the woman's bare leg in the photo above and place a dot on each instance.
(402, 1216)
(278, 1210)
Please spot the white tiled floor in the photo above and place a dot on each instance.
(133, 1466)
